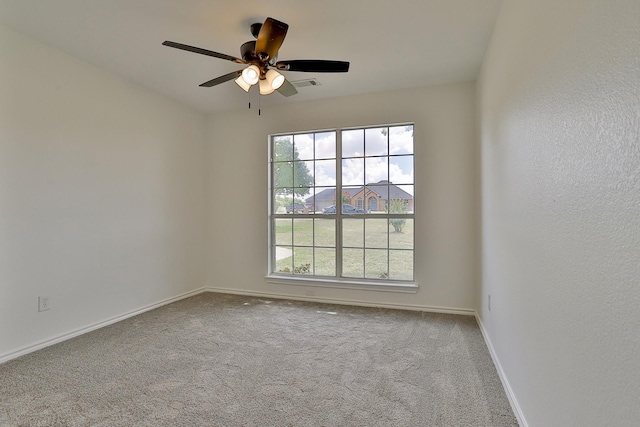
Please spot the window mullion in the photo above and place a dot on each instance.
(270, 205)
(313, 220)
(338, 225)
(387, 208)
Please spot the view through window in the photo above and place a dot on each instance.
(342, 204)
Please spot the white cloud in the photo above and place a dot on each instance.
(303, 144)
(401, 140)
(353, 172)
(325, 145)
(401, 169)
(352, 143)
(325, 172)
(376, 169)
(375, 142)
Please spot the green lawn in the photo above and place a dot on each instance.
(371, 247)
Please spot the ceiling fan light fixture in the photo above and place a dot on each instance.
(265, 87)
(244, 85)
(251, 74)
(275, 79)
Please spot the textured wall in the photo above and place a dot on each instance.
(101, 194)
(559, 116)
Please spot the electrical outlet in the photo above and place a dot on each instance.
(489, 302)
(43, 303)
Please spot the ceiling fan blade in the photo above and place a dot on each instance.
(287, 89)
(270, 37)
(222, 79)
(203, 51)
(313, 66)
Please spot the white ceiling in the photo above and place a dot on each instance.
(393, 44)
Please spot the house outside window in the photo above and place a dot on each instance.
(319, 185)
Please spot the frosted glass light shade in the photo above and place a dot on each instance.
(265, 87)
(244, 85)
(274, 78)
(251, 74)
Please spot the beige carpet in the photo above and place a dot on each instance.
(224, 360)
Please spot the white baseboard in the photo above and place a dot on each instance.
(46, 343)
(431, 309)
(503, 377)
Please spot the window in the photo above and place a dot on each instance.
(342, 205)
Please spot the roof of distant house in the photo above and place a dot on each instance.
(384, 189)
(388, 190)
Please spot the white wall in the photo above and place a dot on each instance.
(445, 173)
(102, 190)
(559, 114)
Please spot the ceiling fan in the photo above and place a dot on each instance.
(261, 57)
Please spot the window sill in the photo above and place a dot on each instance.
(400, 287)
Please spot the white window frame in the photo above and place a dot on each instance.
(273, 277)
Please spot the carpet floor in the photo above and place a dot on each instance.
(227, 360)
